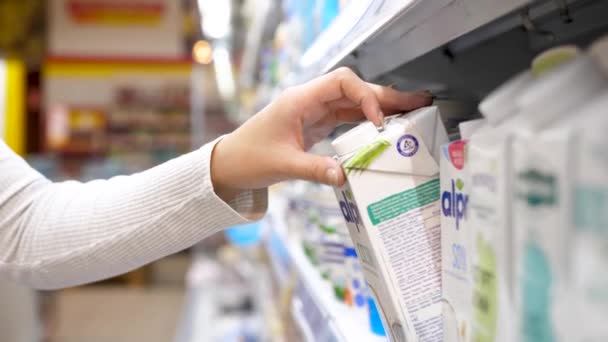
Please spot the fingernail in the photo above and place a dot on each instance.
(425, 93)
(332, 176)
(380, 128)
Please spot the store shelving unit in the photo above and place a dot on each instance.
(385, 35)
(459, 49)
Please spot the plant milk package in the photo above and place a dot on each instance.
(391, 204)
(455, 264)
(542, 164)
(455, 251)
(489, 159)
(588, 285)
(588, 290)
(467, 128)
(581, 295)
(488, 224)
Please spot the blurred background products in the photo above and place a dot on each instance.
(98, 88)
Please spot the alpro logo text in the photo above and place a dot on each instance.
(454, 203)
(349, 209)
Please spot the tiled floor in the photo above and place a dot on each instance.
(100, 314)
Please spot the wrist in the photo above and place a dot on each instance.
(220, 177)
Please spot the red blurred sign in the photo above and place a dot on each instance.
(139, 13)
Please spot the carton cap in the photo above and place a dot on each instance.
(599, 52)
(552, 58)
(355, 138)
(500, 104)
(566, 84)
(467, 128)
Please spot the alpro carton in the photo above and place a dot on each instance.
(488, 209)
(561, 238)
(489, 175)
(588, 280)
(391, 205)
(469, 127)
(577, 289)
(456, 279)
(542, 177)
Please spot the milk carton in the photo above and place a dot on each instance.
(542, 175)
(467, 128)
(588, 285)
(455, 250)
(391, 205)
(456, 280)
(488, 224)
(587, 297)
(579, 292)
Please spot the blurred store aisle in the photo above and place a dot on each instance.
(100, 314)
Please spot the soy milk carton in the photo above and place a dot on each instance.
(391, 204)
(588, 283)
(455, 250)
(456, 283)
(542, 178)
(588, 290)
(577, 289)
(488, 208)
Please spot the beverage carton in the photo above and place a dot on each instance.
(542, 176)
(391, 205)
(587, 297)
(488, 223)
(456, 279)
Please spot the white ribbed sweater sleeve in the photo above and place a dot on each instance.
(55, 235)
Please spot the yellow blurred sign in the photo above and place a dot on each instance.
(12, 104)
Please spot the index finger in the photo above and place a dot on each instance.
(394, 101)
(343, 83)
(391, 102)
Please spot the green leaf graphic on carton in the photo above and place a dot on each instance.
(459, 184)
(366, 155)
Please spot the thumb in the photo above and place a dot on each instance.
(315, 168)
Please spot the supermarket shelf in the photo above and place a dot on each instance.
(458, 49)
(400, 42)
(383, 35)
(319, 315)
(453, 45)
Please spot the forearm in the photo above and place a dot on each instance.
(63, 234)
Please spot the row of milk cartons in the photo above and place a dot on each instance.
(524, 203)
(500, 236)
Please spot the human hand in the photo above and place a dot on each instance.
(272, 146)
